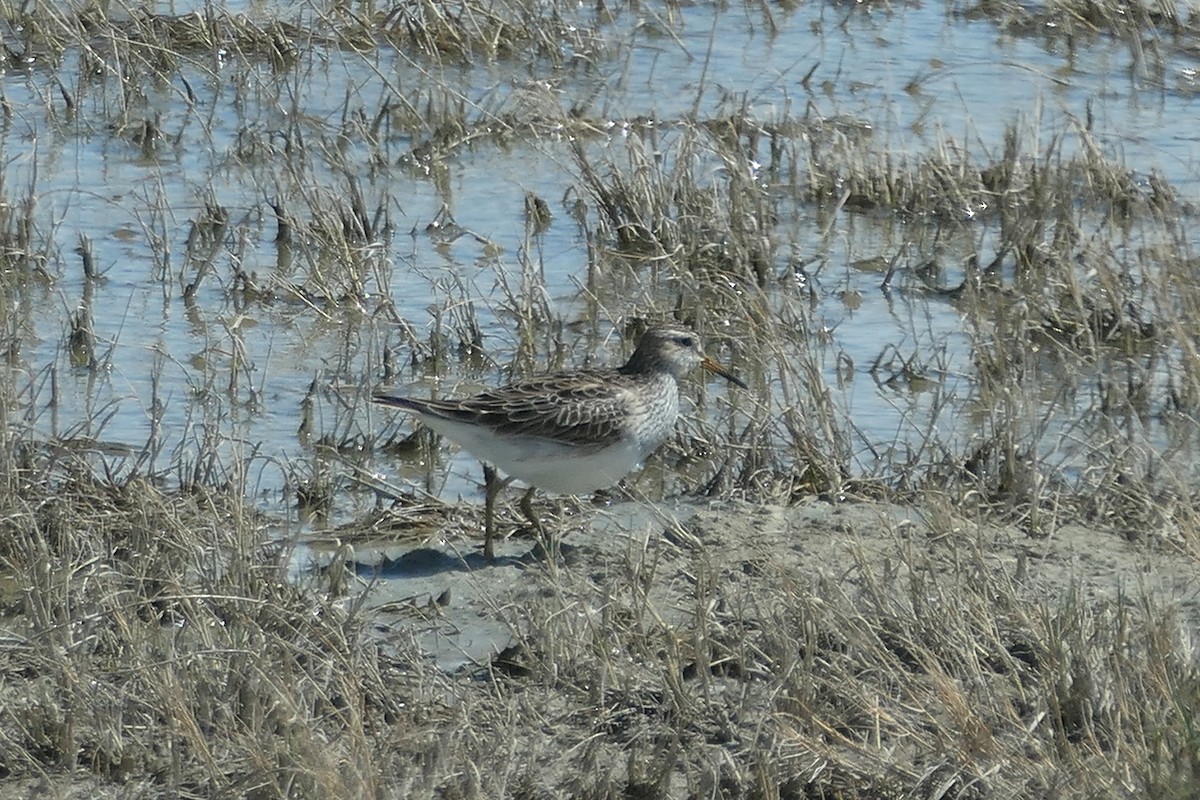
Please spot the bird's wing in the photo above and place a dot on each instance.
(579, 408)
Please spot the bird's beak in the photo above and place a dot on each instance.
(713, 366)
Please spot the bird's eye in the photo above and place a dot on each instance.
(688, 342)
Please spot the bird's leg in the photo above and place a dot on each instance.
(527, 510)
(491, 488)
(539, 529)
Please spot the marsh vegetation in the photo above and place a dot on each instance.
(946, 546)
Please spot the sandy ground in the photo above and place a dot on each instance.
(464, 611)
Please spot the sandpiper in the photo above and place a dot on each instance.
(570, 432)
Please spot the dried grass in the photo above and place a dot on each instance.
(156, 644)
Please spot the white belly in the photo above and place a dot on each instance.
(549, 465)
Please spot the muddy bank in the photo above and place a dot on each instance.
(470, 609)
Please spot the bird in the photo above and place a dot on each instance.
(569, 432)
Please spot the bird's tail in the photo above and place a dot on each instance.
(398, 401)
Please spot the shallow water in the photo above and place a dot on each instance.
(922, 76)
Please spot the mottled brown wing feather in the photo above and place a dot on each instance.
(582, 408)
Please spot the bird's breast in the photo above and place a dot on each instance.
(653, 414)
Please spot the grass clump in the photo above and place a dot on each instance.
(1065, 267)
(740, 669)
(155, 641)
